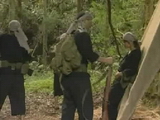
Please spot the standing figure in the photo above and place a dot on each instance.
(76, 85)
(14, 58)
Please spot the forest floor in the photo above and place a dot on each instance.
(45, 107)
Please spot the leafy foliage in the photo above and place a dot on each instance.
(127, 15)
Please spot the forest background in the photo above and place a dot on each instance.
(44, 20)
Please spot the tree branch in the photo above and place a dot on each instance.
(108, 5)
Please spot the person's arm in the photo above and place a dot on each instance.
(108, 60)
(85, 47)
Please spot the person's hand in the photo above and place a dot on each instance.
(118, 74)
(63, 36)
(109, 60)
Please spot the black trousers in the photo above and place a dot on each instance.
(115, 97)
(56, 85)
(77, 96)
(12, 85)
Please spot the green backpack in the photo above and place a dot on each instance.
(67, 57)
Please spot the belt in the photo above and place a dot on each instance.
(24, 67)
(5, 63)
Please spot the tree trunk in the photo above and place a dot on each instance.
(89, 2)
(80, 5)
(148, 8)
(44, 34)
(11, 9)
(19, 9)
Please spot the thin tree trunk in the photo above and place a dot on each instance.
(79, 5)
(149, 8)
(109, 20)
(89, 2)
(11, 9)
(19, 9)
(44, 34)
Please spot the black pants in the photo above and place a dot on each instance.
(56, 85)
(115, 97)
(12, 84)
(77, 95)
